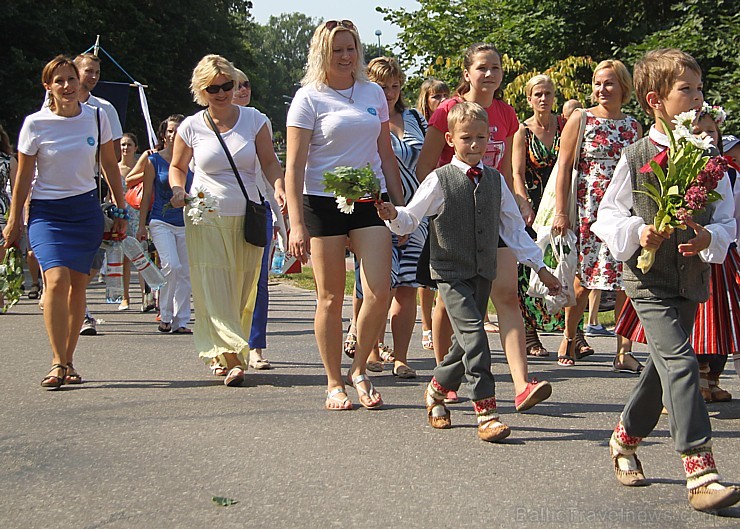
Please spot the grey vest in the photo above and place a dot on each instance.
(464, 234)
(672, 274)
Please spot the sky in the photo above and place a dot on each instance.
(361, 12)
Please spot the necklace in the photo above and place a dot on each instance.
(348, 98)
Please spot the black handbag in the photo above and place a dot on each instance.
(255, 218)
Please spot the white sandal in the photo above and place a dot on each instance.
(331, 396)
(371, 393)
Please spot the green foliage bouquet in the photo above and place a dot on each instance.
(11, 278)
(687, 179)
(350, 185)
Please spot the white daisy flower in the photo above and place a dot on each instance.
(344, 205)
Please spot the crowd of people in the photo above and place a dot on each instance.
(461, 182)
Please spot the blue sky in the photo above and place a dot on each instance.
(361, 12)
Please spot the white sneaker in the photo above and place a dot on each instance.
(88, 327)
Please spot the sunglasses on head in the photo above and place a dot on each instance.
(331, 24)
(216, 88)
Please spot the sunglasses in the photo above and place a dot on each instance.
(216, 88)
(244, 84)
(331, 24)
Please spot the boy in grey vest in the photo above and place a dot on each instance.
(469, 205)
(667, 82)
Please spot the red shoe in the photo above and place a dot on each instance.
(452, 398)
(535, 393)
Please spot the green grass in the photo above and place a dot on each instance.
(304, 280)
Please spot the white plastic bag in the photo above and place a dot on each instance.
(563, 253)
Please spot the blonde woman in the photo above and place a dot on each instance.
(224, 268)
(431, 94)
(339, 118)
(608, 130)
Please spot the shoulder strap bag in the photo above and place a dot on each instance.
(255, 218)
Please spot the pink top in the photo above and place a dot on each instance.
(502, 122)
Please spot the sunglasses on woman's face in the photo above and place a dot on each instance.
(331, 24)
(216, 88)
(244, 84)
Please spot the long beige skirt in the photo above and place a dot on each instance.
(224, 271)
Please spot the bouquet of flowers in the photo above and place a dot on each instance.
(687, 179)
(11, 278)
(198, 204)
(350, 185)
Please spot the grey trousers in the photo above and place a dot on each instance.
(671, 376)
(467, 302)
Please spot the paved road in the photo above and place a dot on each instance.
(151, 437)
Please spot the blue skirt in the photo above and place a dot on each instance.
(67, 231)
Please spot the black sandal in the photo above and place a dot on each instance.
(569, 358)
(34, 292)
(52, 382)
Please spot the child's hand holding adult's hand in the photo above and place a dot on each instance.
(651, 238)
(550, 281)
(386, 211)
(697, 244)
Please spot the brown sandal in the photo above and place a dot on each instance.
(52, 382)
(534, 345)
(72, 377)
(582, 348)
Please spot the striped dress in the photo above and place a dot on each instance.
(407, 151)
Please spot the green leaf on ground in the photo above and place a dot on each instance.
(223, 502)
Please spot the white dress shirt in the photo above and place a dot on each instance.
(429, 199)
(621, 231)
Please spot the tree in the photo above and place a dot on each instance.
(282, 52)
(546, 34)
(158, 43)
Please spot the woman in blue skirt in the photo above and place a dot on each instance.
(60, 144)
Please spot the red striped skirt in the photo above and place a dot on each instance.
(717, 323)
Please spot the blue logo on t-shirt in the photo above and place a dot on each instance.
(372, 111)
(90, 140)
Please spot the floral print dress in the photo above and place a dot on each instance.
(603, 141)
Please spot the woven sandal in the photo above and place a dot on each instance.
(534, 345)
(386, 353)
(582, 348)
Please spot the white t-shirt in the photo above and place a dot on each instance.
(343, 133)
(105, 105)
(212, 169)
(65, 149)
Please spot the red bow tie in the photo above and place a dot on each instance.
(661, 159)
(474, 173)
(732, 163)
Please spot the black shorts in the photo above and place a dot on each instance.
(323, 218)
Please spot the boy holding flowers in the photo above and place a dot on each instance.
(666, 293)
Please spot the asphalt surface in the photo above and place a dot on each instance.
(152, 437)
